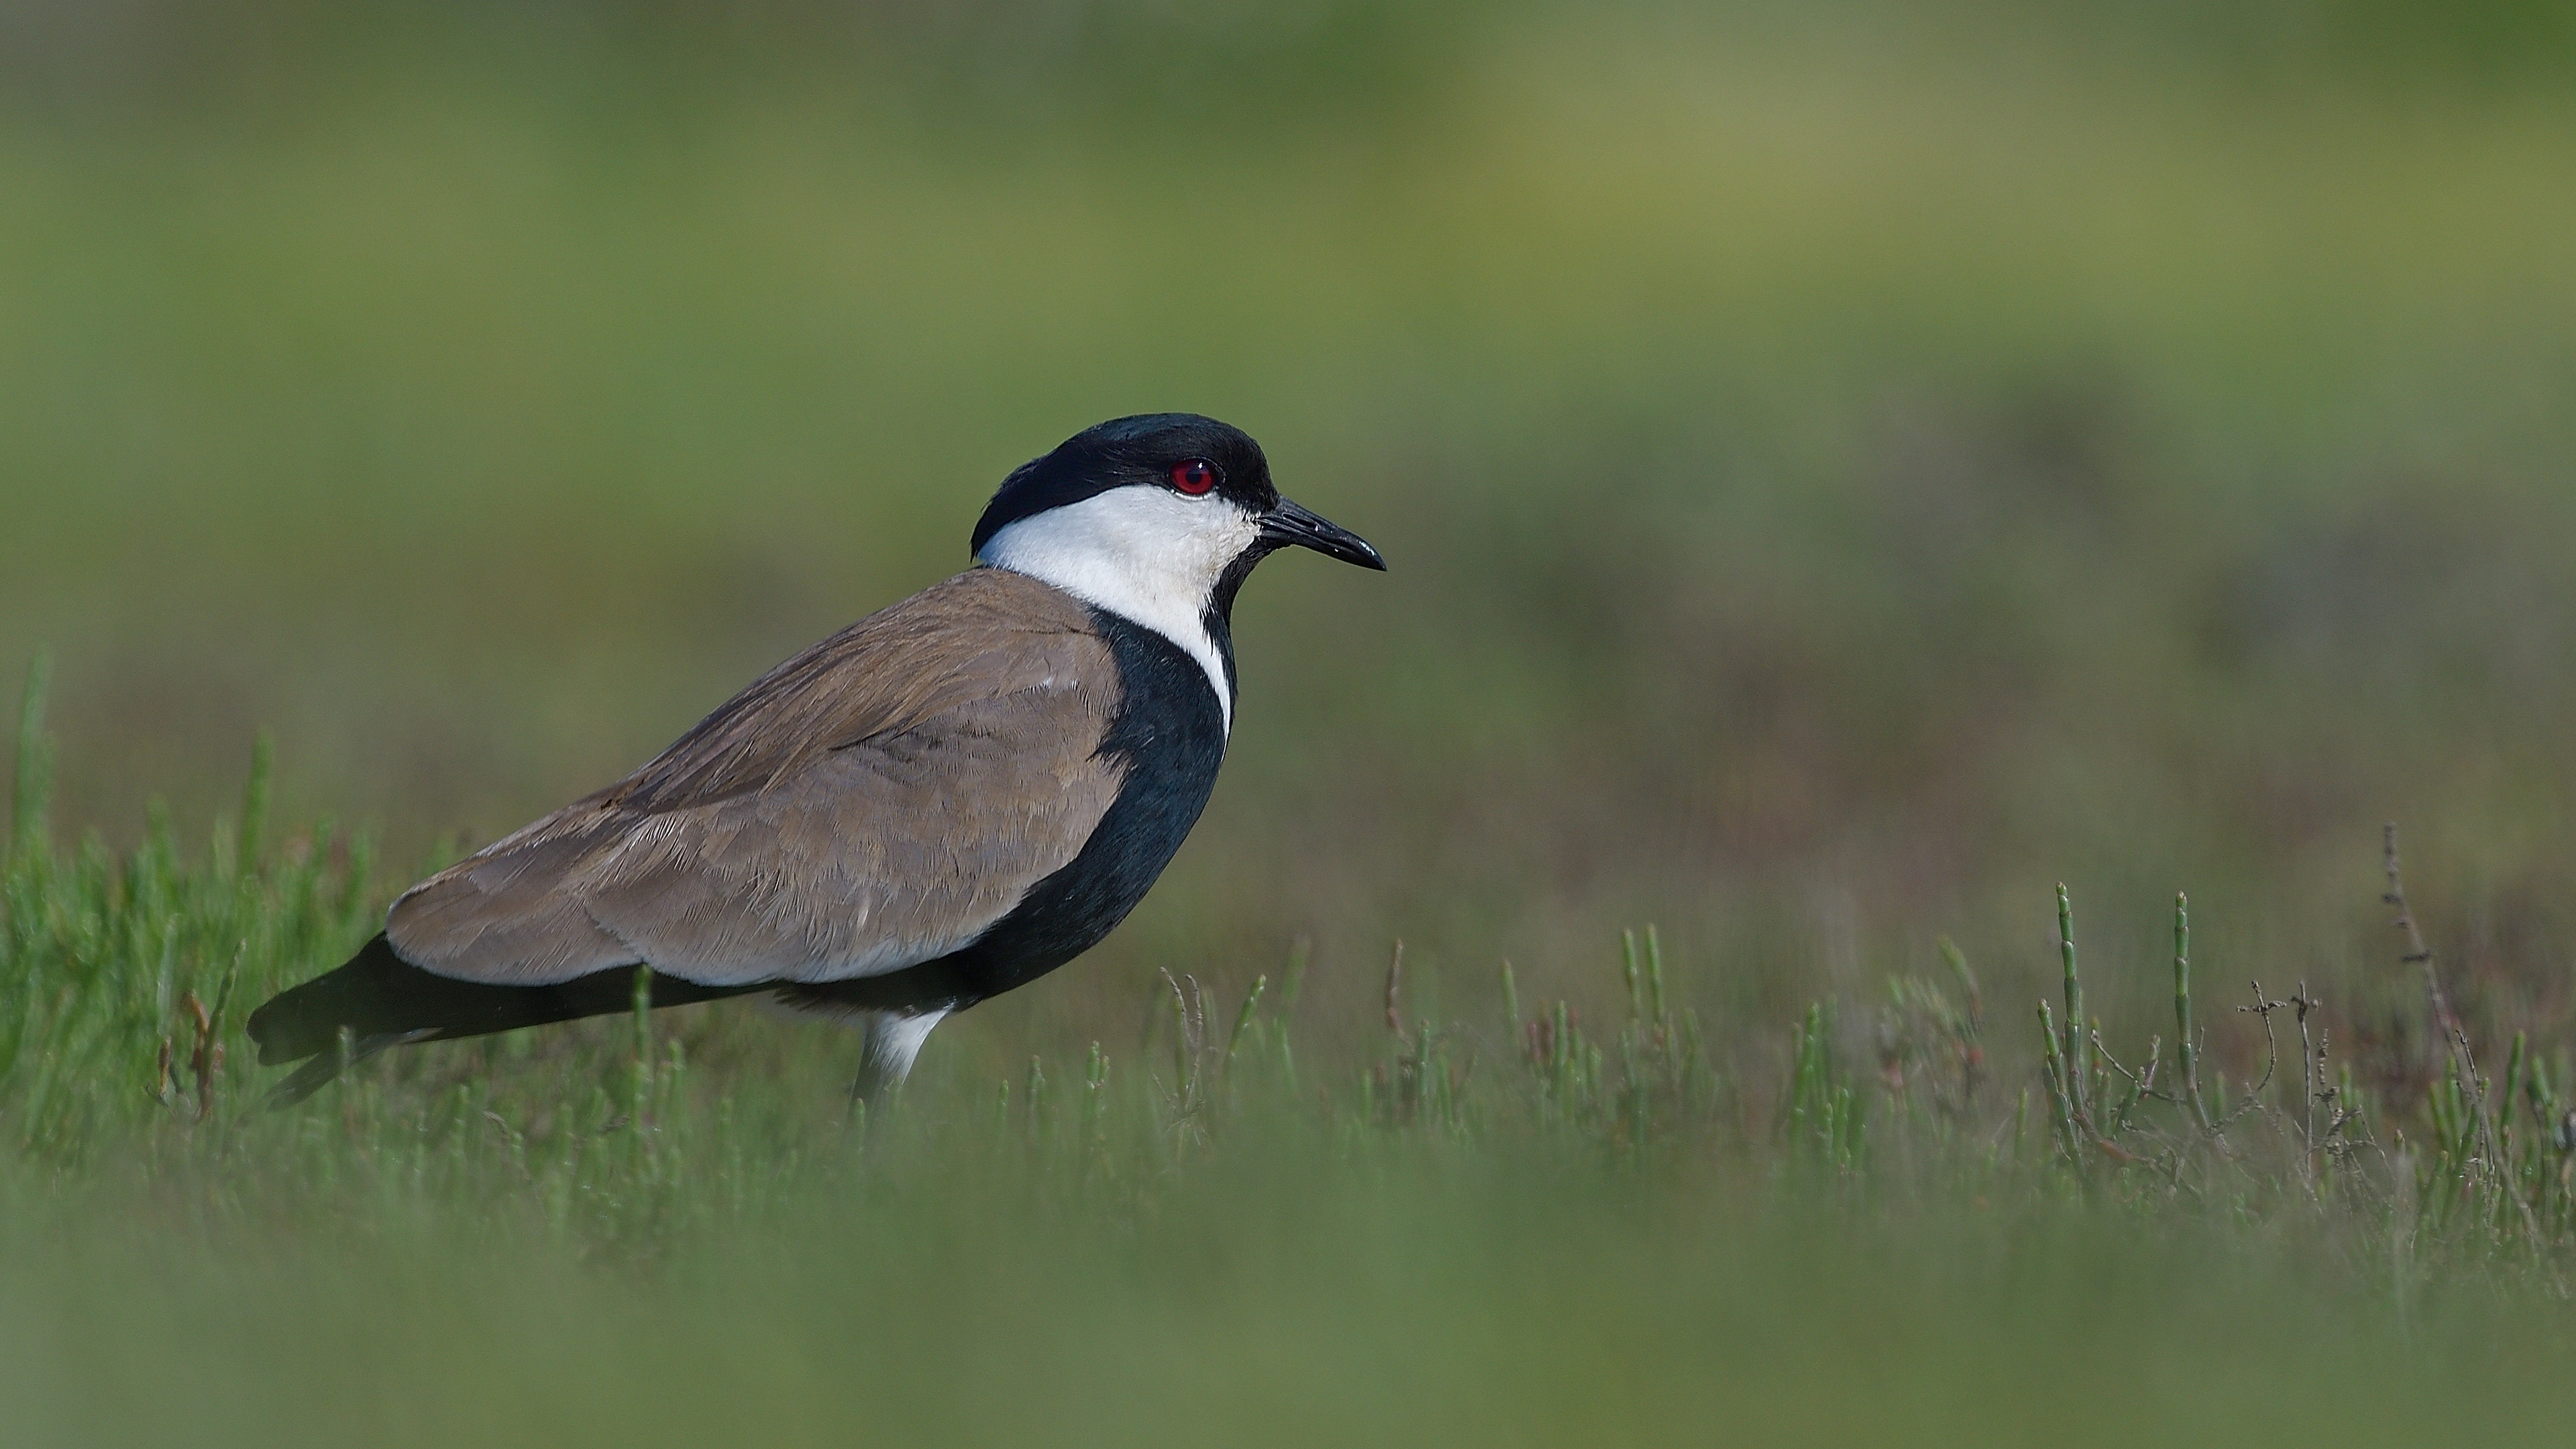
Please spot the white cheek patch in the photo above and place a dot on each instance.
(1143, 553)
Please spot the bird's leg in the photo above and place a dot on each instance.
(893, 1040)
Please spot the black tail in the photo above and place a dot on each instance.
(380, 1000)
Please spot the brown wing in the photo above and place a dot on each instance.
(874, 802)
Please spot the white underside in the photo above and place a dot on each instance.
(1144, 553)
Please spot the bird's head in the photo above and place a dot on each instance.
(1156, 514)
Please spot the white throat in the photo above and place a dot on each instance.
(1150, 556)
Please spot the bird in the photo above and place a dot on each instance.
(944, 801)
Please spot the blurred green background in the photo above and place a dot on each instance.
(1846, 467)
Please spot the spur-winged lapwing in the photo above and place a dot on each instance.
(945, 800)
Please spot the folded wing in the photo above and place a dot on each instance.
(875, 802)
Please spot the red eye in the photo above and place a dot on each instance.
(1194, 476)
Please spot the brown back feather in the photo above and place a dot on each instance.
(874, 802)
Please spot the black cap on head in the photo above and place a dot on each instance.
(1145, 449)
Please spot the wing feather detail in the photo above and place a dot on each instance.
(875, 802)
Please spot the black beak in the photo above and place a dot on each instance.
(1294, 523)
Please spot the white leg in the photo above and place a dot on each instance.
(893, 1040)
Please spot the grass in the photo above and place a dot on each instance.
(1518, 1230)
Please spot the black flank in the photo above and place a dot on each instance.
(380, 994)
